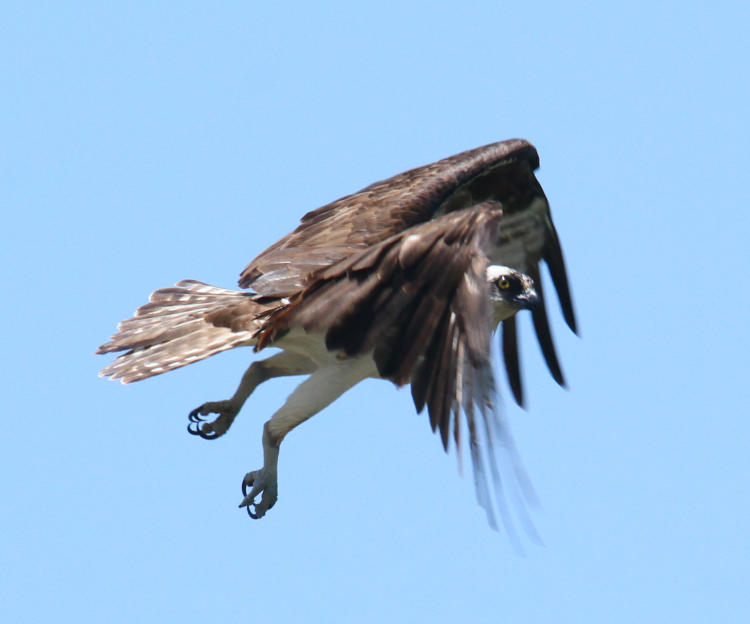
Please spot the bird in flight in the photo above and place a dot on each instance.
(405, 280)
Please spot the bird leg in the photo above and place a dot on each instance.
(279, 365)
(318, 391)
(263, 481)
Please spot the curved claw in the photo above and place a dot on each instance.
(255, 515)
(244, 486)
(245, 483)
(258, 484)
(194, 428)
(201, 426)
(195, 416)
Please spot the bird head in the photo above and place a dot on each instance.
(510, 291)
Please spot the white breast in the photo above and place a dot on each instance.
(313, 346)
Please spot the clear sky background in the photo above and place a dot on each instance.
(145, 143)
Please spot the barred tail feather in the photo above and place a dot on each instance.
(172, 330)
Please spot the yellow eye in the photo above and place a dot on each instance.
(503, 283)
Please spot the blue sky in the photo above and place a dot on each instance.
(146, 143)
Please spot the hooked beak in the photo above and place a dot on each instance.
(529, 300)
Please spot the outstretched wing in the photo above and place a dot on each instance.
(501, 172)
(419, 302)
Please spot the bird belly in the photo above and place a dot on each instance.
(313, 345)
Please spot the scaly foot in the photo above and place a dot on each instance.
(261, 481)
(211, 430)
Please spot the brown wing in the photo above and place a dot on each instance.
(419, 302)
(502, 172)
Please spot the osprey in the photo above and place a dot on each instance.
(405, 280)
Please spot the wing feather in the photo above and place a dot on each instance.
(553, 257)
(351, 231)
(543, 332)
(419, 303)
(510, 357)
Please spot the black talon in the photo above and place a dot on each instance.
(198, 424)
(251, 514)
(194, 428)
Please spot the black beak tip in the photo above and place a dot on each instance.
(531, 301)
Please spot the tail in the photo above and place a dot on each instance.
(179, 326)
